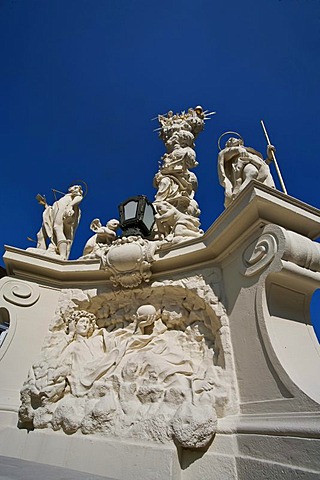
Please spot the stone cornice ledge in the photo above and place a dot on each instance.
(30, 266)
(256, 206)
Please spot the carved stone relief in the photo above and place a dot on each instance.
(152, 363)
(259, 254)
(20, 293)
(289, 246)
(177, 210)
(129, 260)
(103, 236)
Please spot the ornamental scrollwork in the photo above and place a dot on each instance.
(259, 254)
(129, 260)
(20, 293)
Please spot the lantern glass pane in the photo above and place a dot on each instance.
(148, 216)
(130, 210)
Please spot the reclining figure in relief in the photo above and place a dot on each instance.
(144, 380)
(238, 165)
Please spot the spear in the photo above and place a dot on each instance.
(274, 159)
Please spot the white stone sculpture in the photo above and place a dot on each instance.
(238, 165)
(176, 184)
(59, 223)
(103, 236)
(174, 225)
(129, 260)
(154, 376)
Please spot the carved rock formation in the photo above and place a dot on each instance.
(160, 373)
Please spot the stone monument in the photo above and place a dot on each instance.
(59, 223)
(181, 354)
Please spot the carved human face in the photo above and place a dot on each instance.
(83, 326)
(234, 142)
(113, 224)
(75, 190)
(162, 208)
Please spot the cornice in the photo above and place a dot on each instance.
(256, 206)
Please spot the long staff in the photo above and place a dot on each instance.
(275, 160)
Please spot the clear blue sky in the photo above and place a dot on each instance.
(81, 79)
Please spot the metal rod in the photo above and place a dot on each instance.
(55, 190)
(274, 159)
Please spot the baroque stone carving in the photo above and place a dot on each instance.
(103, 236)
(160, 373)
(238, 165)
(20, 293)
(300, 250)
(175, 226)
(177, 209)
(59, 223)
(289, 246)
(129, 260)
(259, 254)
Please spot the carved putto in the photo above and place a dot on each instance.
(177, 209)
(153, 374)
(238, 165)
(59, 224)
(103, 236)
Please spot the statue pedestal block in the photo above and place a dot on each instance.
(241, 291)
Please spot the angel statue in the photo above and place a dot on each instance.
(103, 236)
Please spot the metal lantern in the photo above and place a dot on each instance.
(136, 216)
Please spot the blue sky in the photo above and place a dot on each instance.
(81, 79)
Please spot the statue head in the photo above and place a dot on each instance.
(84, 323)
(199, 111)
(75, 190)
(113, 224)
(163, 207)
(234, 142)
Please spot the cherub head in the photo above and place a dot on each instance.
(113, 224)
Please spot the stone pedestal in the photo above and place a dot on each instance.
(250, 279)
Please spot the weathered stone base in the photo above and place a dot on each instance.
(253, 275)
(231, 456)
(114, 459)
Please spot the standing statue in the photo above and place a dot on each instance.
(176, 184)
(238, 165)
(59, 223)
